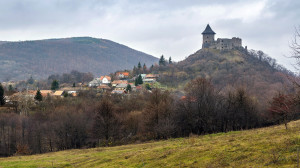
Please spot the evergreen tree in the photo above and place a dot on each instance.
(170, 60)
(74, 85)
(65, 94)
(38, 96)
(10, 88)
(30, 80)
(54, 85)
(139, 65)
(2, 98)
(162, 61)
(128, 88)
(144, 68)
(140, 79)
(151, 68)
(134, 71)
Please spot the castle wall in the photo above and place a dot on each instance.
(223, 43)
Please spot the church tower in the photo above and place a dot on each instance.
(208, 37)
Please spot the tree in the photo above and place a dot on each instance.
(38, 96)
(151, 68)
(281, 108)
(105, 121)
(162, 61)
(54, 85)
(128, 88)
(170, 60)
(295, 46)
(140, 79)
(158, 114)
(200, 106)
(148, 86)
(144, 68)
(2, 98)
(10, 88)
(30, 80)
(74, 85)
(139, 66)
(134, 71)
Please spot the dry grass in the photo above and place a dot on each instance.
(266, 147)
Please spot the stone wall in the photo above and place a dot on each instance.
(223, 43)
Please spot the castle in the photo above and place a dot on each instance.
(221, 43)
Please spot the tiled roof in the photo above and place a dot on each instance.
(107, 77)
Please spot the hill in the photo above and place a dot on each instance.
(256, 71)
(41, 58)
(265, 147)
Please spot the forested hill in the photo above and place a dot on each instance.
(20, 60)
(256, 71)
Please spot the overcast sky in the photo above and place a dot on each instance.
(169, 27)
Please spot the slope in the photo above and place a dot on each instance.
(256, 71)
(266, 147)
(20, 60)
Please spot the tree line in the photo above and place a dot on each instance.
(92, 120)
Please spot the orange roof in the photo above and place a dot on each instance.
(119, 82)
(107, 77)
(152, 76)
(45, 93)
(58, 93)
(124, 73)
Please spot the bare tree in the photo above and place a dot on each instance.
(281, 108)
(295, 46)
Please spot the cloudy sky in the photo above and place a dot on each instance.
(169, 27)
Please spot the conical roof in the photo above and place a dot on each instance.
(208, 30)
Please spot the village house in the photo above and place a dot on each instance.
(45, 93)
(122, 75)
(116, 82)
(105, 79)
(104, 88)
(59, 93)
(152, 76)
(121, 86)
(95, 82)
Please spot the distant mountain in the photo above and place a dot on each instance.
(41, 58)
(254, 70)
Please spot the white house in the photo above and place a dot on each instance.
(105, 79)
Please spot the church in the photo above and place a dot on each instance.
(221, 43)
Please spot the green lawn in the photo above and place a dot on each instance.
(266, 147)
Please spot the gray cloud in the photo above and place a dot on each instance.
(169, 27)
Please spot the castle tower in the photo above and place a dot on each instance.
(208, 37)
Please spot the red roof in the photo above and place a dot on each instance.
(107, 77)
(124, 73)
(119, 82)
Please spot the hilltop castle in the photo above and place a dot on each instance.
(221, 43)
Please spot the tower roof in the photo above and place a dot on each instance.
(208, 30)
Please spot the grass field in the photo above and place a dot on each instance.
(266, 147)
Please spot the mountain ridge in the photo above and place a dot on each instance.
(41, 58)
